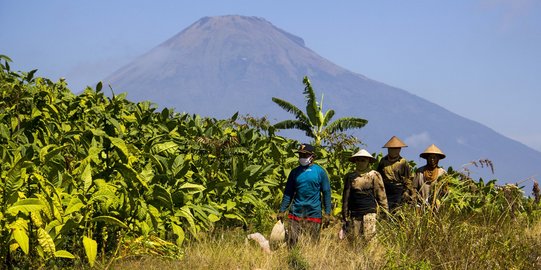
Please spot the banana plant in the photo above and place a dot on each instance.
(314, 121)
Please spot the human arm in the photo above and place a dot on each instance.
(416, 184)
(379, 190)
(345, 198)
(289, 193)
(325, 190)
(407, 180)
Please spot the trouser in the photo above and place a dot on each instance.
(298, 228)
(394, 193)
(362, 227)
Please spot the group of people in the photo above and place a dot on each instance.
(366, 191)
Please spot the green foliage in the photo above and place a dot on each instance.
(91, 250)
(85, 178)
(314, 122)
(468, 224)
(103, 169)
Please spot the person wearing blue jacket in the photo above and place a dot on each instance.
(307, 190)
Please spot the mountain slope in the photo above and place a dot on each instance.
(221, 65)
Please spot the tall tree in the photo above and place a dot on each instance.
(314, 122)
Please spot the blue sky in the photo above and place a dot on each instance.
(480, 59)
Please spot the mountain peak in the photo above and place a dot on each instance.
(232, 53)
(235, 26)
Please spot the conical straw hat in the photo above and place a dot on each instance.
(432, 149)
(362, 153)
(394, 142)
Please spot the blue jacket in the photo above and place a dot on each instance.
(304, 187)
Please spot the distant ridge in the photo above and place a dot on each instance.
(220, 65)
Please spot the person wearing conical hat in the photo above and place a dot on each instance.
(396, 173)
(363, 193)
(427, 175)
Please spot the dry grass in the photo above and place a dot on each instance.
(411, 240)
(231, 250)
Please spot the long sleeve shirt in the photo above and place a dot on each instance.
(362, 193)
(423, 186)
(305, 188)
(396, 178)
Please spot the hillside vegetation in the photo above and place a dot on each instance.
(91, 180)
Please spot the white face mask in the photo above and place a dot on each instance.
(305, 161)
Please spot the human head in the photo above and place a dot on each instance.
(432, 154)
(394, 145)
(361, 159)
(393, 152)
(306, 154)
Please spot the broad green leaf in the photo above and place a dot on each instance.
(36, 218)
(200, 215)
(51, 108)
(235, 216)
(212, 208)
(52, 153)
(230, 205)
(21, 236)
(177, 164)
(195, 187)
(130, 174)
(93, 153)
(159, 167)
(99, 87)
(144, 227)
(187, 214)
(179, 232)
(14, 246)
(213, 218)
(91, 250)
(35, 113)
(64, 254)
(68, 227)
(4, 131)
(14, 123)
(86, 177)
(98, 132)
(104, 195)
(166, 147)
(129, 118)
(121, 146)
(163, 196)
(321, 120)
(110, 220)
(5, 58)
(44, 151)
(66, 127)
(73, 206)
(253, 169)
(30, 75)
(15, 177)
(56, 225)
(148, 173)
(154, 212)
(248, 197)
(46, 241)
(26, 206)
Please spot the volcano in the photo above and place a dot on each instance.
(226, 64)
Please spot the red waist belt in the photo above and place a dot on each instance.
(312, 219)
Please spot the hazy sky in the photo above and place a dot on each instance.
(480, 59)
